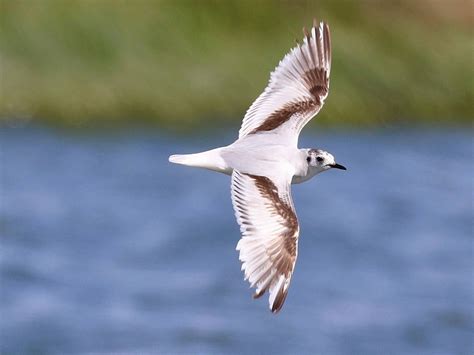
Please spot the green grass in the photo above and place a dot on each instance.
(179, 63)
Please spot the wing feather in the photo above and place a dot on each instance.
(270, 230)
(296, 90)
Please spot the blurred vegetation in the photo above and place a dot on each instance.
(181, 63)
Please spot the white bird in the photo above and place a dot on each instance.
(265, 160)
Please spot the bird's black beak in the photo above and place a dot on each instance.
(338, 166)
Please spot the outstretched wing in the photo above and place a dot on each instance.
(269, 226)
(296, 90)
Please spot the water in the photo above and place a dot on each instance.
(106, 248)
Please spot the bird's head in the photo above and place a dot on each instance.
(319, 160)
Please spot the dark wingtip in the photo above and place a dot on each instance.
(305, 32)
(279, 301)
(258, 294)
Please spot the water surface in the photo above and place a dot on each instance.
(106, 248)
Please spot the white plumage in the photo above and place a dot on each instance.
(269, 227)
(265, 160)
(288, 85)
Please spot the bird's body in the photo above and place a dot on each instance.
(248, 156)
(265, 160)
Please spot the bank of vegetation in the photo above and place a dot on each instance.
(179, 63)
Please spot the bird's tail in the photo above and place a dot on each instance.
(210, 159)
(183, 159)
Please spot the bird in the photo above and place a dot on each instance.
(265, 161)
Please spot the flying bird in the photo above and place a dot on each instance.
(265, 160)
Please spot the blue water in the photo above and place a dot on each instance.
(106, 248)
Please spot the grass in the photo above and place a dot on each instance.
(180, 63)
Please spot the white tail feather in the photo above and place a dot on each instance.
(210, 159)
(183, 159)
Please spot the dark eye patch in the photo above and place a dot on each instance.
(320, 159)
(308, 159)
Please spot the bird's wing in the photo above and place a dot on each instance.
(296, 90)
(269, 226)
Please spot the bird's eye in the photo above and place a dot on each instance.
(320, 159)
(308, 159)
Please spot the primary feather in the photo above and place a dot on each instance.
(296, 90)
(269, 226)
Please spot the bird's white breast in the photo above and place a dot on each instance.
(260, 154)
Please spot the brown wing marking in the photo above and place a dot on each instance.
(279, 117)
(283, 264)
